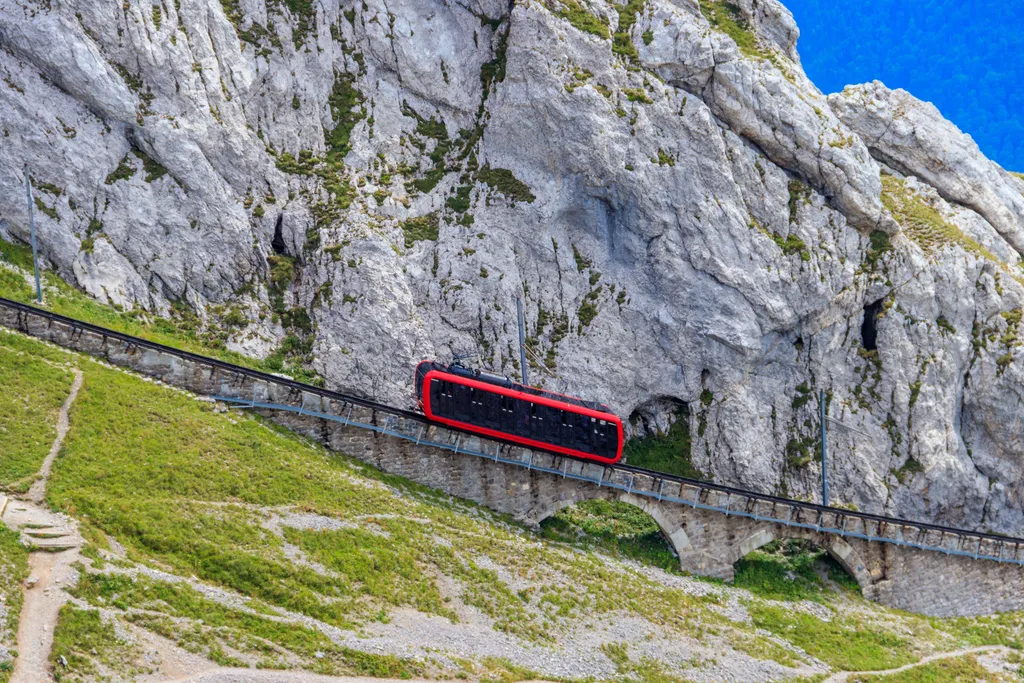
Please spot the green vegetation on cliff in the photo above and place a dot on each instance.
(182, 330)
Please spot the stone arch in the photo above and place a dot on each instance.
(670, 527)
(841, 551)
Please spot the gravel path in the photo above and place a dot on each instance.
(57, 542)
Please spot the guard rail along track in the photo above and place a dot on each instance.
(226, 379)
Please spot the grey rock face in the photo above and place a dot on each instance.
(914, 138)
(686, 217)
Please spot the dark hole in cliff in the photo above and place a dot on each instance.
(278, 244)
(869, 328)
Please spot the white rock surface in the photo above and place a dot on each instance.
(914, 138)
(721, 195)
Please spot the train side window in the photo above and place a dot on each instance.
(463, 401)
(583, 433)
(522, 412)
(568, 432)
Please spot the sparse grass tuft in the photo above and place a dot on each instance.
(578, 15)
(923, 223)
(727, 18)
(84, 640)
(421, 228)
(505, 182)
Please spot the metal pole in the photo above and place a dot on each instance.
(824, 461)
(522, 339)
(32, 232)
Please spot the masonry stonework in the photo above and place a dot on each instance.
(707, 542)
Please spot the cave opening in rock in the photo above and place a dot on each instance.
(869, 328)
(660, 438)
(278, 244)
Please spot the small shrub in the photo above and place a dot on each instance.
(421, 228)
(579, 17)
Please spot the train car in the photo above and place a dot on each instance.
(496, 407)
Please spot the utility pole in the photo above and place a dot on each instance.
(824, 450)
(32, 232)
(522, 339)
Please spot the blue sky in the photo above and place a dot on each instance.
(965, 56)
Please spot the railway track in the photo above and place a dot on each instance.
(412, 426)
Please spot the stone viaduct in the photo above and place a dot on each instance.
(709, 527)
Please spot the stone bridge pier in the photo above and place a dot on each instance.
(709, 528)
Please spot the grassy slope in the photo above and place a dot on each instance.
(965, 669)
(32, 394)
(89, 645)
(189, 490)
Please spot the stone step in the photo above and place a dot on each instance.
(51, 532)
(54, 545)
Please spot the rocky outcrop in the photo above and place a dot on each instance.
(761, 94)
(687, 218)
(914, 138)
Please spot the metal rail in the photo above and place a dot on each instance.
(412, 426)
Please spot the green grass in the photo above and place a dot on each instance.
(618, 528)
(923, 223)
(845, 643)
(577, 15)
(84, 640)
(33, 392)
(173, 482)
(344, 98)
(622, 42)
(505, 182)
(957, 669)
(13, 570)
(191, 491)
(727, 18)
(786, 571)
(14, 285)
(221, 626)
(669, 452)
(421, 228)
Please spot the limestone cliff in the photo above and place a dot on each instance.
(688, 219)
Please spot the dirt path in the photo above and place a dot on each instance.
(38, 490)
(846, 675)
(55, 541)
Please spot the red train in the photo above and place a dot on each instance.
(496, 407)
